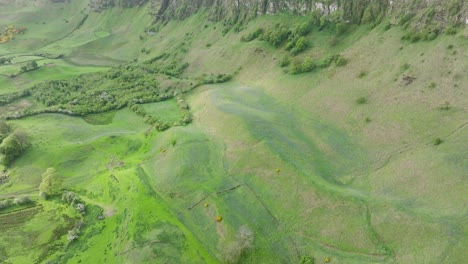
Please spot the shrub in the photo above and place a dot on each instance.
(298, 66)
(445, 107)
(75, 232)
(300, 45)
(253, 35)
(295, 67)
(22, 200)
(315, 17)
(388, 26)
(308, 65)
(304, 28)
(323, 22)
(70, 198)
(404, 67)
(276, 35)
(80, 208)
(243, 243)
(451, 30)
(5, 204)
(340, 61)
(326, 62)
(438, 141)
(306, 260)
(341, 28)
(285, 60)
(362, 74)
(219, 78)
(361, 100)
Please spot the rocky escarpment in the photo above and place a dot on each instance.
(245, 9)
(419, 15)
(99, 5)
(432, 16)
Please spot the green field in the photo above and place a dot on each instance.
(364, 162)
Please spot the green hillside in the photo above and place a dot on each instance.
(198, 133)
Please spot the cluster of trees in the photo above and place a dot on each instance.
(216, 78)
(187, 115)
(116, 88)
(149, 119)
(425, 20)
(30, 66)
(157, 79)
(8, 98)
(12, 143)
(10, 32)
(280, 33)
(74, 200)
(4, 61)
(20, 200)
(113, 89)
(293, 38)
(298, 65)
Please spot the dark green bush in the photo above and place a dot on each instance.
(451, 30)
(341, 28)
(298, 66)
(388, 26)
(276, 35)
(304, 28)
(326, 62)
(362, 74)
(361, 100)
(306, 260)
(253, 35)
(405, 67)
(300, 45)
(341, 61)
(308, 65)
(285, 60)
(295, 66)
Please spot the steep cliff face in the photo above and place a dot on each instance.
(244, 9)
(417, 14)
(99, 5)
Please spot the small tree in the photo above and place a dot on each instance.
(12, 147)
(32, 65)
(243, 243)
(51, 183)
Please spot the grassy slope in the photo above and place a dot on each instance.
(385, 169)
(353, 190)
